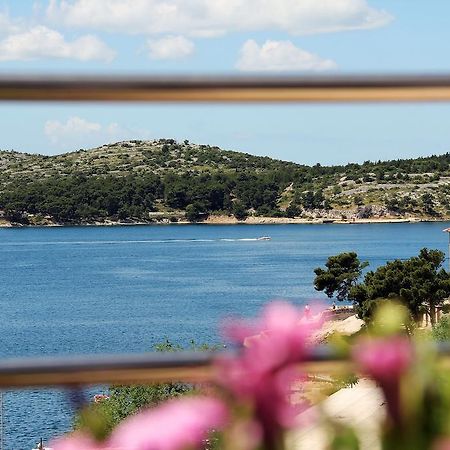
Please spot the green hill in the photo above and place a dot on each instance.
(166, 180)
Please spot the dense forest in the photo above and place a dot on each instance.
(172, 181)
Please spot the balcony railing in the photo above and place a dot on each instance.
(144, 368)
(416, 88)
(130, 369)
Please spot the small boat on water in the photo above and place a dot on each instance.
(264, 238)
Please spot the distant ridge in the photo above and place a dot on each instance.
(166, 180)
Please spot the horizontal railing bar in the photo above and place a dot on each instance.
(364, 88)
(145, 368)
(126, 369)
(98, 369)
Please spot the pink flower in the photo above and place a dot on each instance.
(263, 373)
(77, 441)
(386, 360)
(177, 424)
(278, 338)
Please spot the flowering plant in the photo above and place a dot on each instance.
(252, 404)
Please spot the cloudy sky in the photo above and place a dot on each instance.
(310, 37)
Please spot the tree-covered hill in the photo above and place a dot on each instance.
(168, 180)
(134, 157)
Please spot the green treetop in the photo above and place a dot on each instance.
(341, 273)
(420, 282)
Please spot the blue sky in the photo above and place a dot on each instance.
(229, 36)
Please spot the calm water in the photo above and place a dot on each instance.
(123, 289)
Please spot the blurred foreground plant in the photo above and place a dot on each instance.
(120, 402)
(250, 407)
(415, 383)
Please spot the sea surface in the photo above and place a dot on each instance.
(77, 290)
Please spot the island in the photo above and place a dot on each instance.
(165, 181)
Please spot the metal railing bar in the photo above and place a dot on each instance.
(147, 367)
(125, 369)
(340, 88)
(97, 369)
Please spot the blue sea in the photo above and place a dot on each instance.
(76, 290)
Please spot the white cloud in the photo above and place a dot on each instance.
(170, 47)
(42, 42)
(7, 25)
(280, 56)
(77, 132)
(216, 17)
(58, 131)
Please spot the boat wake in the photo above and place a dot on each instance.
(137, 241)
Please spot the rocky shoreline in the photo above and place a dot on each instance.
(231, 220)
